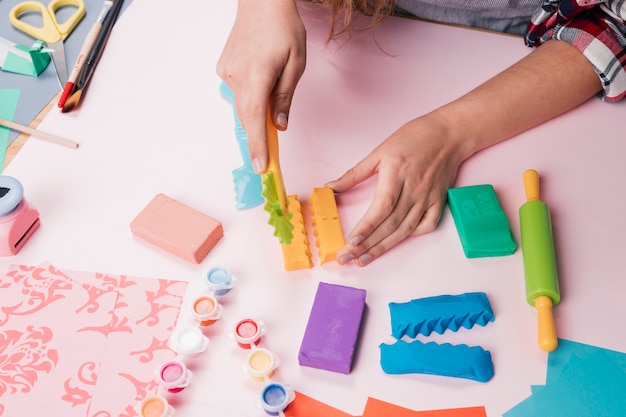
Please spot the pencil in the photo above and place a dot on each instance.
(84, 51)
(91, 62)
(39, 134)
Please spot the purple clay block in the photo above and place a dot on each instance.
(440, 313)
(332, 330)
(460, 361)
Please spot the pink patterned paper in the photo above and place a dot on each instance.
(79, 343)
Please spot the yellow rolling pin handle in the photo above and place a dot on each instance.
(546, 335)
(542, 288)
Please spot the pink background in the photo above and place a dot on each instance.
(153, 122)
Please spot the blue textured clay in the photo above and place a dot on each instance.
(460, 361)
(439, 313)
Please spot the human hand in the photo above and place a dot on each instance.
(262, 62)
(415, 166)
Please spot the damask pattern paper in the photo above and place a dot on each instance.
(82, 343)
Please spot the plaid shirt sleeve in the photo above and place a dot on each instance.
(596, 28)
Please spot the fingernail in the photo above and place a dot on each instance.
(281, 120)
(344, 259)
(331, 185)
(258, 166)
(355, 240)
(365, 259)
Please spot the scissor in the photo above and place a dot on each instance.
(51, 32)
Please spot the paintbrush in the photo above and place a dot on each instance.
(92, 59)
(39, 134)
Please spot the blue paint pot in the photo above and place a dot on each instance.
(276, 397)
(219, 280)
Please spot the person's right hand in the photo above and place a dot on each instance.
(262, 62)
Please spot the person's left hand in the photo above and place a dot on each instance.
(415, 165)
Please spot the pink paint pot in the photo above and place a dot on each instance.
(260, 364)
(248, 332)
(174, 376)
(206, 309)
(155, 407)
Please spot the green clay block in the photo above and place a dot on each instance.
(480, 221)
(460, 361)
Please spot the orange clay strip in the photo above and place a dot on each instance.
(297, 254)
(327, 227)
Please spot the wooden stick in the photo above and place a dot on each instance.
(39, 134)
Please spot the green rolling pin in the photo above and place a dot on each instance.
(540, 272)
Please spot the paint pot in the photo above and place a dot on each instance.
(18, 219)
(189, 341)
(155, 407)
(248, 332)
(219, 280)
(260, 364)
(276, 397)
(206, 309)
(174, 376)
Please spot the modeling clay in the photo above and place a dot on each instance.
(177, 228)
(297, 254)
(459, 361)
(439, 313)
(332, 330)
(326, 223)
(480, 221)
(247, 182)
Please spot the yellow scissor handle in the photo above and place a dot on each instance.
(50, 31)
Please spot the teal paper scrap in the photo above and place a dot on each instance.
(8, 104)
(582, 380)
(481, 223)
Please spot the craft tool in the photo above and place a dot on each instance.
(84, 51)
(274, 189)
(18, 219)
(93, 58)
(540, 271)
(38, 134)
(51, 32)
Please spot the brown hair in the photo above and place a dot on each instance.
(345, 15)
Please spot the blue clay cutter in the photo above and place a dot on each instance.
(247, 182)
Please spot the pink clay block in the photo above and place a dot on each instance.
(177, 228)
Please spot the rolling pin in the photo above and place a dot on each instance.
(540, 272)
